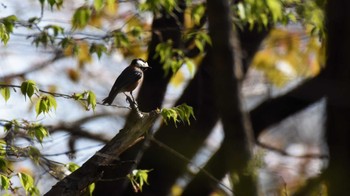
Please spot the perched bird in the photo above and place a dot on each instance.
(128, 80)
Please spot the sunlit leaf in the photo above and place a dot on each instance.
(6, 93)
(34, 154)
(111, 6)
(72, 166)
(98, 4)
(91, 99)
(81, 17)
(26, 180)
(4, 35)
(91, 188)
(4, 182)
(197, 13)
(3, 161)
(138, 178)
(181, 113)
(28, 88)
(99, 49)
(45, 104)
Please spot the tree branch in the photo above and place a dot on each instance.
(58, 55)
(92, 170)
(276, 109)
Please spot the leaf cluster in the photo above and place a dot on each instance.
(6, 27)
(138, 178)
(181, 113)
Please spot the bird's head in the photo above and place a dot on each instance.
(140, 63)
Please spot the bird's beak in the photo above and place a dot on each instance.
(147, 66)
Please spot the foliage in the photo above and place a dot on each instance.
(287, 56)
(93, 31)
(5, 92)
(181, 113)
(28, 184)
(6, 27)
(138, 178)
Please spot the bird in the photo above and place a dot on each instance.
(128, 80)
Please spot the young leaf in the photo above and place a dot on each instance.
(58, 3)
(4, 164)
(51, 102)
(4, 35)
(98, 49)
(45, 104)
(91, 188)
(98, 5)
(26, 181)
(72, 166)
(138, 178)
(40, 132)
(81, 17)
(4, 182)
(6, 93)
(34, 154)
(181, 113)
(6, 27)
(91, 99)
(28, 88)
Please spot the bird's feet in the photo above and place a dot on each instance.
(131, 101)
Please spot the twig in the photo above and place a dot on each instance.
(284, 153)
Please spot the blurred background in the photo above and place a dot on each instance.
(70, 47)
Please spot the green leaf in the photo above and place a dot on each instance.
(72, 166)
(40, 132)
(120, 39)
(179, 113)
(91, 188)
(4, 182)
(81, 17)
(275, 7)
(91, 99)
(55, 28)
(28, 88)
(26, 181)
(197, 13)
(34, 154)
(99, 49)
(45, 104)
(241, 11)
(9, 22)
(98, 5)
(138, 178)
(190, 65)
(6, 93)
(3, 161)
(78, 96)
(136, 31)
(4, 35)
(51, 102)
(58, 3)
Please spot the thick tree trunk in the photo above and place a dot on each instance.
(235, 150)
(338, 99)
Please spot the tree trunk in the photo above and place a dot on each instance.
(338, 99)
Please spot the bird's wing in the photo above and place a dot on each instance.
(128, 77)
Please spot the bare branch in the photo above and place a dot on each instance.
(284, 153)
(58, 55)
